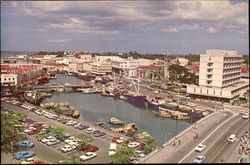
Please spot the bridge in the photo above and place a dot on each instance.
(55, 86)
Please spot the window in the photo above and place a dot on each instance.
(214, 92)
(221, 93)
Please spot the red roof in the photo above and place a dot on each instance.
(245, 68)
(38, 56)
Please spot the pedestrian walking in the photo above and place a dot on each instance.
(222, 159)
(179, 141)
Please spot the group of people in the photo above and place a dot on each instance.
(177, 141)
(244, 142)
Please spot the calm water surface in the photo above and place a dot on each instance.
(95, 107)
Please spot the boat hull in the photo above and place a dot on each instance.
(135, 98)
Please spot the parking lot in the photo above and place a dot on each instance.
(53, 153)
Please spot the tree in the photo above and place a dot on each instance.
(9, 131)
(150, 144)
(123, 155)
(59, 131)
(85, 139)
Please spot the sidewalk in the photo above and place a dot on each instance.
(171, 151)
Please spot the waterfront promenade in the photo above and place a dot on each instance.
(208, 128)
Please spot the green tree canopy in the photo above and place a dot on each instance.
(85, 139)
(9, 130)
(150, 144)
(59, 131)
(123, 155)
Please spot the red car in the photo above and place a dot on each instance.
(115, 138)
(91, 148)
(38, 162)
(140, 148)
(31, 122)
(170, 96)
(33, 132)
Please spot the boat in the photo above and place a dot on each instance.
(164, 114)
(99, 124)
(103, 93)
(134, 98)
(89, 91)
(122, 97)
(75, 114)
(115, 121)
(142, 135)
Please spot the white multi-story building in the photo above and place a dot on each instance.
(101, 68)
(219, 76)
(8, 79)
(104, 58)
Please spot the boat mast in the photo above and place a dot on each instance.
(166, 66)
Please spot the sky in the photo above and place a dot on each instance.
(174, 27)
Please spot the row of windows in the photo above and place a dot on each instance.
(227, 82)
(5, 79)
(207, 91)
(232, 65)
(231, 70)
(232, 59)
(230, 75)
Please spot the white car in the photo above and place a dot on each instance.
(39, 112)
(29, 129)
(73, 143)
(121, 140)
(200, 148)
(49, 138)
(87, 156)
(133, 144)
(67, 148)
(53, 142)
(231, 138)
(245, 116)
(70, 139)
(90, 130)
(71, 122)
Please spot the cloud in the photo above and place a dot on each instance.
(104, 17)
(58, 41)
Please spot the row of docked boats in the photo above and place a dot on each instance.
(125, 127)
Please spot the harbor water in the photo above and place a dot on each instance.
(94, 108)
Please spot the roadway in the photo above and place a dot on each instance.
(213, 131)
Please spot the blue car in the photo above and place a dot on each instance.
(199, 159)
(25, 143)
(24, 154)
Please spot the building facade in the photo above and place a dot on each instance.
(219, 76)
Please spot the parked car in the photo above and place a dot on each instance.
(85, 126)
(121, 140)
(28, 160)
(91, 148)
(200, 148)
(53, 142)
(39, 112)
(133, 144)
(33, 132)
(67, 148)
(90, 130)
(112, 149)
(88, 156)
(199, 159)
(115, 138)
(25, 143)
(98, 134)
(38, 162)
(24, 154)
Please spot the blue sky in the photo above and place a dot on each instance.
(182, 27)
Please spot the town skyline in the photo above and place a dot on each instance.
(148, 27)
